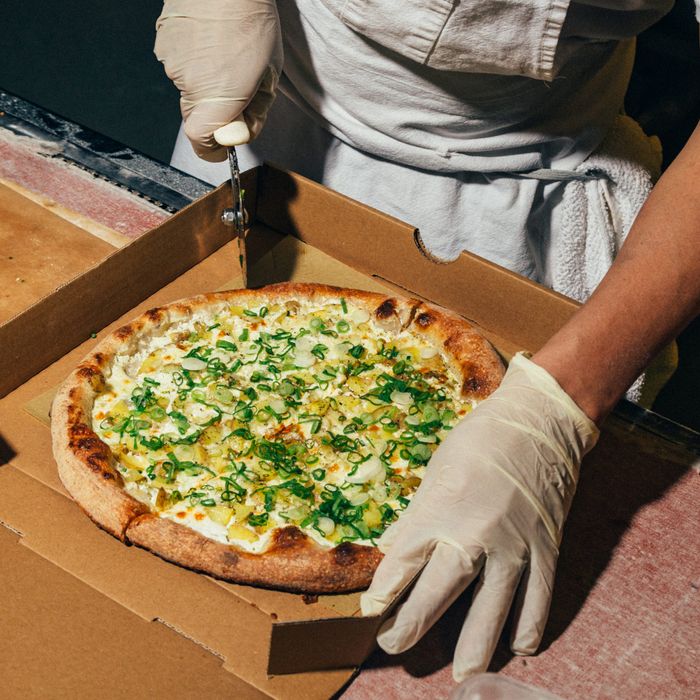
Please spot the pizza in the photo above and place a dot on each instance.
(267, 436)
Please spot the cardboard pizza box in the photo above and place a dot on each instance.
(240, 640)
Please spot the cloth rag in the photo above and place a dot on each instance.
(596, 216)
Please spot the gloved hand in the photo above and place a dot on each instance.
(494, 500)
(225, 57)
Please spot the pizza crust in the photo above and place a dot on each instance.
(86, 465)
(293, 562)
(467, 350)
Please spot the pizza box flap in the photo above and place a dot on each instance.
(220, 623)
(62, 638)
(92, 299)
(40, 251)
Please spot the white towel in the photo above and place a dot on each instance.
(598, 214)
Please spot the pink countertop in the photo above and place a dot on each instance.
(34, 165)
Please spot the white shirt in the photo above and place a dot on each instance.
(425, 108)
(474, 86)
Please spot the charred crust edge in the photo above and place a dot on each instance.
(425, 319)
(124, 332)
(288, 537)
(386, 309)
(155, 314)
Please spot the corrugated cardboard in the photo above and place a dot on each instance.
(253, 631)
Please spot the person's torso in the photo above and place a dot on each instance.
(487, 86)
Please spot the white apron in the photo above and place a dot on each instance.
(408, 127)
(491, 125)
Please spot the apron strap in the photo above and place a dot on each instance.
(551, 175)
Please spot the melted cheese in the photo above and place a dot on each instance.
(297, 414)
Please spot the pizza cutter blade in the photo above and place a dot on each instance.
(232, 135)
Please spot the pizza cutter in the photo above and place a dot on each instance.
(235, 134)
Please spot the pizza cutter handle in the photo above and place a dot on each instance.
(231, 135)
(236, 133)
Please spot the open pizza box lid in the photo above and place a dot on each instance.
(274, 644)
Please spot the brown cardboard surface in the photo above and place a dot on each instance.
(40, 406)
(63, 639)
(294, 643)
(376, 251)
(38, 252)
(151, 588)
(293, 260)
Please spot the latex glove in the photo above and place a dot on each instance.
(225, 57)
(494, 500)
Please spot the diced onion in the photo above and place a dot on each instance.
(422, 451)
(278, 405)
(430, 414)
(193, 364)
(325, 525)
(427, 352)
(359, 316)
(222, 394)
(298, 513)
(357, 499)
(184, 452)
(199, 413)
(379, 494)
(286, 388)
(403, 398)
(367, 471)
(306, 342)
(339, 350)
(304, 359)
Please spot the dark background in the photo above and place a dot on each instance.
(93, 63)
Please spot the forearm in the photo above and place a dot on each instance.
(650, 294)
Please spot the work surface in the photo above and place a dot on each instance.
(625, 620)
